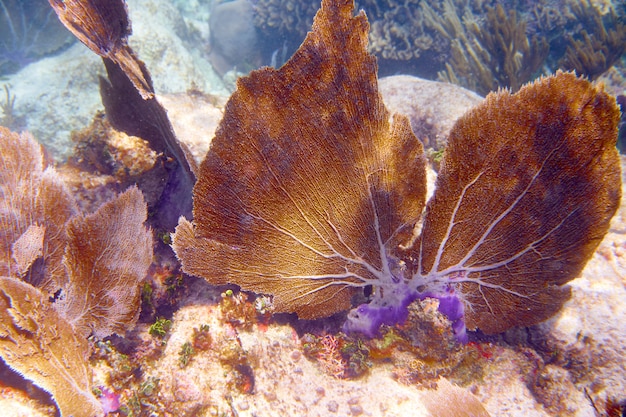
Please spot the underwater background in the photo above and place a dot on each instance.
(202, 350)
(449, 40)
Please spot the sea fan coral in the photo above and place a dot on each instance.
(42, 346)
(103, 26)
(308, 193)
(268, 220)
(63, 275)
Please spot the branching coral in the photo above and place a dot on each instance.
(9, 116)
(308, 193)
(281, 21)
(498, 54)
(397, 31)
(65, 275)
(599, 45)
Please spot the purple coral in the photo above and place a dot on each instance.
(451, 306)
(394, 294)
(392, 308)
(367, 318)
(109, 400)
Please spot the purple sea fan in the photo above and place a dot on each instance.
(310, 193)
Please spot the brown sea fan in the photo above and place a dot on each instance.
(308, 193)
(63, 275)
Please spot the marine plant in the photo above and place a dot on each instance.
(311, 192)
(160, 327)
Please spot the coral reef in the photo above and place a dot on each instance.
(268, 215)
(129, 111)
(40, 344)
(285, 16)
(496, 54)
(28, 32)
(601, 42)
(511, 222)
(102, 149)
(397, 31)
(476, 44)
(65, 275)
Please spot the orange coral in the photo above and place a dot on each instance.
(525, 193)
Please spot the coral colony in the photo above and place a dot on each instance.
(311, 192)
(321, 199)
(94, 262)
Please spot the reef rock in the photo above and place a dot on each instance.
(280, 380)
(59, 94)
(432, 106)
(590, 331)
(233, 36)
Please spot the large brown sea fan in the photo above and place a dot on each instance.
(309, 192)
